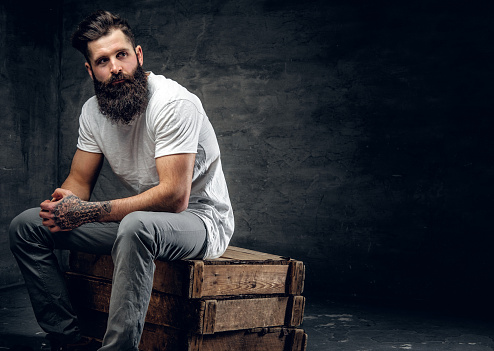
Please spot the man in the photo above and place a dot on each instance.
(160, 143)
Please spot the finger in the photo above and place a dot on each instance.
(56, 198)
(54, 229)
(47, 222)
(45, 214)
(47, 205)
(59, 193)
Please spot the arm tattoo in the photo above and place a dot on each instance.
(72, 212)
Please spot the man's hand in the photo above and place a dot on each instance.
(67, 211)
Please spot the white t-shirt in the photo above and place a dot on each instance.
(174, 122)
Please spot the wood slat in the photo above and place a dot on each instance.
(196, 280)
(220, 280)
(167, 310)
(244, 273)
(209, 319)
(238, 253)
(295, 311)
(202, 316)
(169, 339)
(170, 277)
(297, 340)
(296, 278)
(250, 313)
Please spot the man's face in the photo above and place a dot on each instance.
(120, 83)
(111, 55)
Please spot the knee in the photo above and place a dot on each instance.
(133, 233)
(22, 227)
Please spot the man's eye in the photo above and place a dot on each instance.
(122, 54)
(101, 61)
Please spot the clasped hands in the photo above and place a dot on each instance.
(64, 212)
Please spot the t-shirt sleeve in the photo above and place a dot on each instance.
(86, 140)
(176, 128)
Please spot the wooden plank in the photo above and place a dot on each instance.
(169, 277)
(209, 317)
(268, 340)
(90, 264)
(202, 316)
(169, 339)
(194, 343)
(176, 312)
(221, 280)
(172, 278)
(241, 254)
(167, 310)
(298, 341)
(295, 282)
(196, 280)
(250, 313)
(154, 337)
(157, 338)
(295, 311)
(242, 272)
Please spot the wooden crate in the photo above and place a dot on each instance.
(244, 300)
(238, 272)
(160, 338)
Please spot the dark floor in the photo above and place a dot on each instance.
(332, 326)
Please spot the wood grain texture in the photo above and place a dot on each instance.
(295, 311)
(238, 272)
(250, 313)
(169, 339)
(204, 316)
(245, 279)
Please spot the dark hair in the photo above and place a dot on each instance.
(97, 25)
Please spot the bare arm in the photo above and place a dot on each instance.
(84, 172)
(170, 195)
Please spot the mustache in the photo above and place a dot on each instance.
(117, 77)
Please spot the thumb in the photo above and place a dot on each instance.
(59, 193)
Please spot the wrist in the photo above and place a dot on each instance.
(103, 210)
(73, 212)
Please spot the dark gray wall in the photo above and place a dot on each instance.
(355, 135)
(29, 99)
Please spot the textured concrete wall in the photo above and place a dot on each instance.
(29, 76)
(355, 135)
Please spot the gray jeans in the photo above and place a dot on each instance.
(134, 243)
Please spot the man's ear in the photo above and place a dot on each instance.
(139, 54)
(89, 70)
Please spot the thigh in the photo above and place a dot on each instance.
(93, 237)
(97, 238)
(170, 236)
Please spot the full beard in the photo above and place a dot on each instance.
(123, 102)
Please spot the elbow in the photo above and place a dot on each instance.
(180, 205)
(179, 208)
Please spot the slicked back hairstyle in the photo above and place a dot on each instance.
(97, 25)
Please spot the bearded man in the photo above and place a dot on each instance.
(158, 140)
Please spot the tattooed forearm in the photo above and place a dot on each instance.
(72, 212)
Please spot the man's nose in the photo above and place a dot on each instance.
(115, 67)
